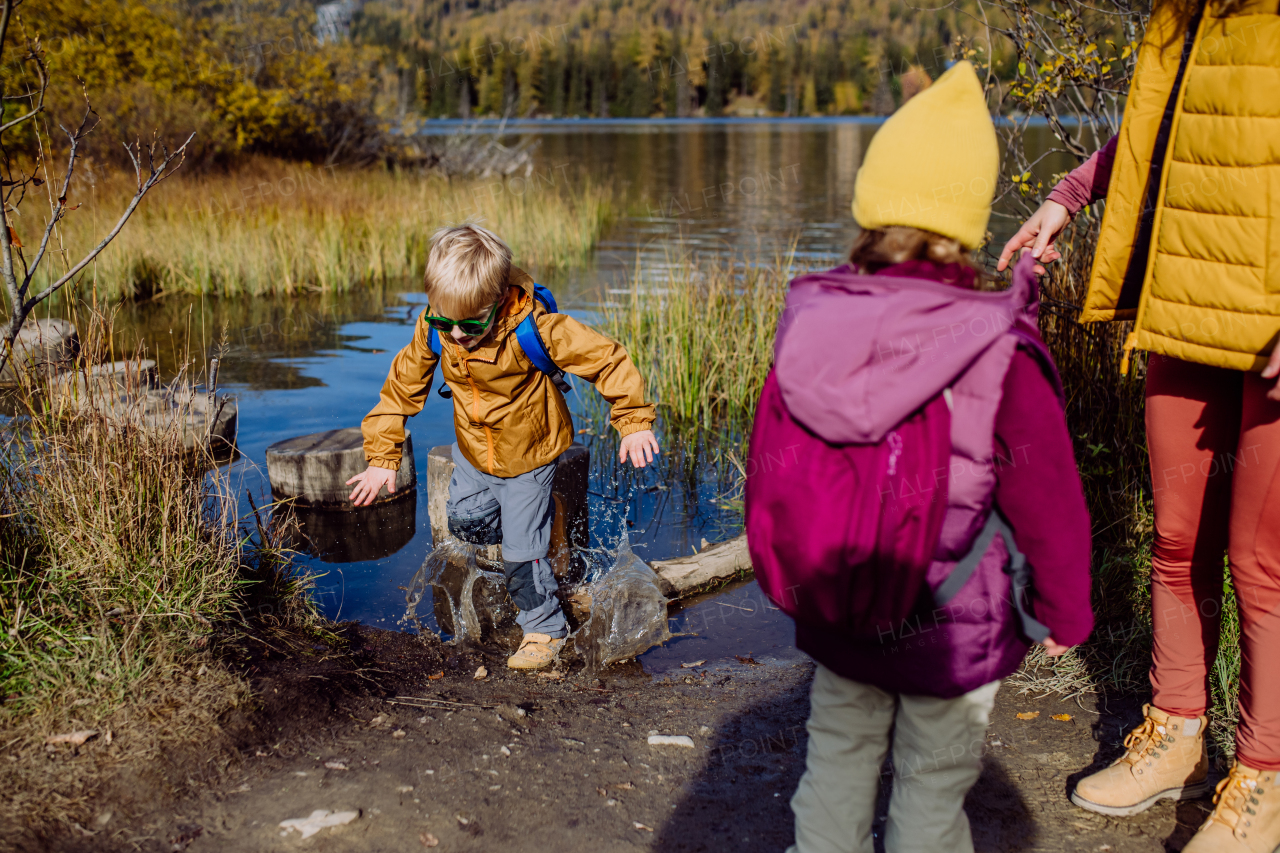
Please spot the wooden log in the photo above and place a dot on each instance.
(315, 468)
(684, 575)
(45, 347)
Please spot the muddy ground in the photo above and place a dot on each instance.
(520, 762)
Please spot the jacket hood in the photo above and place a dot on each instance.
(856, 354)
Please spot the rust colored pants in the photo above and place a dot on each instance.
(1214, 439)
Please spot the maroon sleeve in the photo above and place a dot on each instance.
(1088, 182)
(1038, 490)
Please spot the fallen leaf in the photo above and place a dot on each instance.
(335, 765)
(428, 840)
(378, 720)
(639, 825)
(553, 676)
(398, 733)
(602, 792)
(73, 738)
(1027, 715)
(1062, 718)
(439, 675)
(481, 673)
(696, 663)
(747, 660)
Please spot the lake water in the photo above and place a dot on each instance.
(314, 363)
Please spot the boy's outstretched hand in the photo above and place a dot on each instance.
(641, 446)
(369, 483)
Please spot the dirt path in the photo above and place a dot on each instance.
(524, 763)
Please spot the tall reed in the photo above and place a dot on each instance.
(275, 227)
(701, 332)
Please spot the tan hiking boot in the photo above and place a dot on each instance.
(537, 651)
(1247, 817)
(1166, 760)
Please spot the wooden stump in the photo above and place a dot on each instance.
(315, 468)
(44, 347)
(568, 490)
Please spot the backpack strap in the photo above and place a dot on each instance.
(1017, 568)
(433, 341)
(530, 340)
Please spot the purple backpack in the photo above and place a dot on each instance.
(835, 538)
(871, 464)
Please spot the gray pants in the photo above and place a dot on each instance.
(517, 512)
(937, 756)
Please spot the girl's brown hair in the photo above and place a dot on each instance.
(878, 248)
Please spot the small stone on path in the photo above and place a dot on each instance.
(318, 820)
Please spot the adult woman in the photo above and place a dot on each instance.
(1190, 251)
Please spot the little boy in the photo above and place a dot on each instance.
(511, 419)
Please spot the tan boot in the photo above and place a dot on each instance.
(1247, 819)
(1166, 760)
(537, 651)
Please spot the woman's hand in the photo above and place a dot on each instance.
(1052, 649)
(1039, 232)
(1271, 371)
(369, 483)
(641, 446)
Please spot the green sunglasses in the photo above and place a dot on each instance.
(444, 325)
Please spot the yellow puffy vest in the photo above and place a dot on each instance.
(1199, 273)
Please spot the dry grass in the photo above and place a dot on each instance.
(123, 571)
(276, 227)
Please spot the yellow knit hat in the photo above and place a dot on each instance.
(933, 164)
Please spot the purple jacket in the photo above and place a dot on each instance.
(852, 369)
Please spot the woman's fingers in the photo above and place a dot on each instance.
(1026, 234)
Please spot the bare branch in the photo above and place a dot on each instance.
(60, 208)
(155, 175)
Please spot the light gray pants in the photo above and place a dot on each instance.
(520, 510)
(937, 756)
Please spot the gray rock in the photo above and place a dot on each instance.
(315, 468)
(44, 347)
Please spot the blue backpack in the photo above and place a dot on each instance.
(530, 341)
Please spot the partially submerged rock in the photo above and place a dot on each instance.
(129, 393)
(314, 469)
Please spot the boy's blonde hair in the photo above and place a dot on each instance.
(467, 269)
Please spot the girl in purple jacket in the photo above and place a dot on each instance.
(863, 346)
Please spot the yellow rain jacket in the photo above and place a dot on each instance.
(1190, 241)
(509, 416)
